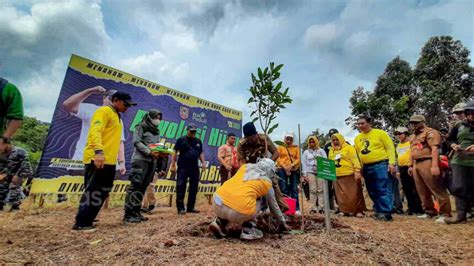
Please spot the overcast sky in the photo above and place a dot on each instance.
(209, 48)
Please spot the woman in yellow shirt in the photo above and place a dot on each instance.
(238, 199)
(288, 165)
(348, 185)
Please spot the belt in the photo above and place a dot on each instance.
(422, 159)
(372, 164)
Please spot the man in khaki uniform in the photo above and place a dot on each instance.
(254, 146)
(424, 148)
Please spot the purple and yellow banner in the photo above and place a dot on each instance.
(83, 92)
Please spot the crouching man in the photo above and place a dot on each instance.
(238, 200)
(14, 168)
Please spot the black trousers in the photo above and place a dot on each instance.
(140, 177)
(99, 185)
(409, 190)
(185, 174)
(397, 200)
(462, 187)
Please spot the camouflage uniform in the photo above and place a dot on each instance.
(249, 152)
(14, 168)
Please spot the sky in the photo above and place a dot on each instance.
(209, 48)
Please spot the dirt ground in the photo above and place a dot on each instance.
(44, 235)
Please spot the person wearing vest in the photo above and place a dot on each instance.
(227, 156)
(143, 164)
(377, 154)
(403, 163)
(11, 113)
(461, 139)
(424, 151)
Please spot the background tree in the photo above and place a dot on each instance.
(393, 99)
(267, 99)
(31, 137)
(444, 78)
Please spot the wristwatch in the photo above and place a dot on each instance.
(5, 140)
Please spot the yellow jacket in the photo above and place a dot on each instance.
(284, 159)
(104, 134)
(242, 196)
(347, 162)
(374, 146)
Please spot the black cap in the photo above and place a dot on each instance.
(333, 131)
(249, 129)
(192, 127)
(124, 97)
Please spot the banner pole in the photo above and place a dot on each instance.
(300, 187)
(327, 210)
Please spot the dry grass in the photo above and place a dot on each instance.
(44, 235)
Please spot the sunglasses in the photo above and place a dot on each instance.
(399, 133)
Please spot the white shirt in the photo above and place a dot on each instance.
(309, 162)
(85, 111)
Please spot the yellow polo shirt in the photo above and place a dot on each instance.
(242, 195)
(104, 134)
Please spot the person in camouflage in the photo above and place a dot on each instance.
(14, 168)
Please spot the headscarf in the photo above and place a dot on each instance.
(316, 141)
(342, 141)
(146, 123)
(263, 169)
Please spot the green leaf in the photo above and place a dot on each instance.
(278, 86)
(272, 128)
(254, 120)
(260, 74)
(250, 100)
(278, 68)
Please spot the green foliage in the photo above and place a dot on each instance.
(32, 136)
(444, 78)
(441, 79)
(267, 99)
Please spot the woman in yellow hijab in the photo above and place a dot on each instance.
(348, 185)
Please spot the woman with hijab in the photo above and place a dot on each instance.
(348, 185)
(309, 166)
(143, 164)
(238, 200)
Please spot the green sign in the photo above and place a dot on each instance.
(326, 169)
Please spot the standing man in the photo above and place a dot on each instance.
(11, 112)
(254, 146)
(188, 152)
(75, 106)
(227, 155)
(462, 163)
(403, 163)
(377, 154)
(425, 143)
(100, 158)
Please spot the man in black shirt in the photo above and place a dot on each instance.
(188, 151)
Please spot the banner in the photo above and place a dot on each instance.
(83, 92)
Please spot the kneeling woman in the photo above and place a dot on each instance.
(238, 200)
(143, 164)
(348, 185)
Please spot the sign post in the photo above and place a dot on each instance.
(326, 171)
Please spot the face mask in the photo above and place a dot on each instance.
(155, 122)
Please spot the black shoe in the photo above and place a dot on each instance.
(132, 219)
(145, 210)
(382, 217)
(181, 212)
(91, 228)
(193, 211)
(151, 207)
(15, 208)
(141, 217)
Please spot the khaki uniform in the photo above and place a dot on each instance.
(250, 152)
(427, 185)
